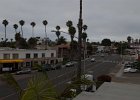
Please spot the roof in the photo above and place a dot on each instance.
(112, 91)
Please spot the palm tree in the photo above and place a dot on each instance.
(71, 31)
(15, 26)
(21, 22)
(80, 24)
(58, 32)
(33, 25)
(45, 22)
(69, 23)
(129, 39)
(84, 27)
(5, 23)
(37, 88)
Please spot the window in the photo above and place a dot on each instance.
(6, 56)
(27, 64)
(28, 55)
(15, 56)
(43, 55)
(52, 54)
(35, 55)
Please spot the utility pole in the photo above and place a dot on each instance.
(80, 24)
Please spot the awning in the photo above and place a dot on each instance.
(12, 61)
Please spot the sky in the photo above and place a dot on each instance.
(112, 19)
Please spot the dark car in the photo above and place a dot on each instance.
(24, 71)
(57, 66)
(46, 67)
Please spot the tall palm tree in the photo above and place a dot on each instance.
(80, 24)
(33, 25)
(71, 31)
(85, 27)
(69, 23)
(45, 22)
(129, 39)
(15, 26)
(5, 23)
(21, 22)
(57, 32)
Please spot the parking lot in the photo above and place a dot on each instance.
(133, 78)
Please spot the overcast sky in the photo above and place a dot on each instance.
(113, 19)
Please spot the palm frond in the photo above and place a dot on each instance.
(39, 88)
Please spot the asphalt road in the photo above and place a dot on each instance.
(59, 78)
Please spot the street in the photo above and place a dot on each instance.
(59, 78)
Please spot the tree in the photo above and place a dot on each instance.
(61, 40)
(37, 88)
(71, 31)
(32, 42)
(69, 23)
(22, 22)
(33, 25)
(5, 23)
(106, 42)
(85, 27)
(57, 32)
(45, 22)
(80, 24)
(15, 26)
(129, 39)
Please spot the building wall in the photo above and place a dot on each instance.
(22, 53)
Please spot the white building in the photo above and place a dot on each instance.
(18, 58)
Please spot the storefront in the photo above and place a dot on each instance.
(10, 65)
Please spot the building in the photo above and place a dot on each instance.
(15, 59)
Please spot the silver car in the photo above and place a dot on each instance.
(24, 71)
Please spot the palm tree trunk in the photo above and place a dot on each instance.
(32, 32)
(46, 42)
(5, 33)
(15, 30)
(21, 31)
(72, 51)
(79, 45)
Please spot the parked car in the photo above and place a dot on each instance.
(46, 67)
(92, 59)
(24, 71)
(71, 63)
(131, 70)
(102, 55)
(57, 66)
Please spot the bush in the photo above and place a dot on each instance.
(101, 79)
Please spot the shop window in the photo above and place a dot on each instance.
(27, 64)
(43, 55)
(35, 55)
(6, 56)
(52, 54)
(28, 55)
(15, 56)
